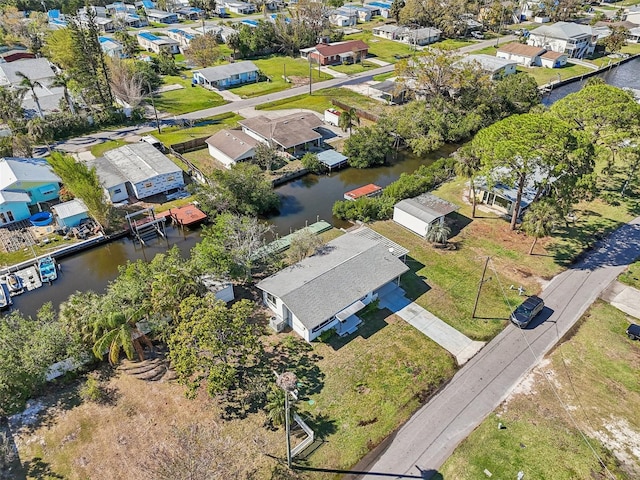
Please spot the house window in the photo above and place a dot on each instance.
(48, 190)
(10, 216)
(171, 178)
(117, 190)
(271, 300)
(3, 218)
(148, 185)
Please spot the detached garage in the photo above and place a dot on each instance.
(418, 213)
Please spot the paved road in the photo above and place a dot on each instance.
(422, 445)
(85, 142)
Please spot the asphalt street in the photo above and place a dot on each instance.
(429, 437)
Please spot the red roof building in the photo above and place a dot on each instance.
(370, 190)
(339, 52)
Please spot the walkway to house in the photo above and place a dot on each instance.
(623, 297)
(377, 61)
(577, 61)
(463, 348)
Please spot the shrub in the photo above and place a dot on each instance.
(92, 391)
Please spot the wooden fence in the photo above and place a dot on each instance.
(359, 112)
(189, 145)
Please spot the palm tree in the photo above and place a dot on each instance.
(540, 220)
(61, 80)
(38, 130)
(115, 332)
(438, 232)
(347, 119)
(27, 84)
(468, 166)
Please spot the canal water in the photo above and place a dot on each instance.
(303, 201)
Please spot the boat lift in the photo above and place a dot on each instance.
(147, 227)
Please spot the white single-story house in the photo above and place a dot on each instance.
(156, 44)
(500, 196)
(419, 213)
(496, 67)
(242, 8)
(290, 133)
(223, 31)
(387, 31)
(329, 288)
(139, 167)
(70, 214)
(380, 8)
(343, 17)
(525, 55)
(189, 13)
(182, 35)
(419, 36)
(231, 146)
(225, 76)
(632, 14)
(160, 16)
(634, 35)
(554, 59)
(574, 39)
(111, 48)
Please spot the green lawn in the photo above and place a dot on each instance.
(187, 99)
(386, 50)
(98, 150)
(384, 76)
(595, 373)
(546, 75)
(487, 51)
(354, 68)
(321, 100)
(631, 276)
(275, 67)
(452, 44)
(372, 381)
(203, 128)
(631, 48)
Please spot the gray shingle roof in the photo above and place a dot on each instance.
(426, 207)
(488, 62)
(233, 143)
(70, 208)
(322, 285)
(34, 68)
(215, 74)
(563, 30)
(288, 131)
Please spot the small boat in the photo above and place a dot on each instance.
(5, 298)
(15, 284)
(47, 269)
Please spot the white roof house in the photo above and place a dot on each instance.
(419, 213)
(36, 69)
(327, 289)
(571, 38)
(495, 66)
(142, 167)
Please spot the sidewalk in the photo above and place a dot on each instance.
(623, 297)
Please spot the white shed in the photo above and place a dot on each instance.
(222, 290)
(418, 213)
(332, 116)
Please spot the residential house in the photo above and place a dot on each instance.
(24, 183)
(222, 31)
(632, 14)
(419, 213)
(132, 20)
(242, 8)
(387, 31)
(139, 168)
(496, 67)
(525, 55)
(501, 196)
(336, 53)
(291, 133)
(182, 35)
(160, 16)
(120, 7)
(328, 289)
(418, 36)
(363, 12)
(389, 91)
(70, 214)
(111, 48)
(577, 41)
(380, 8)
(634, 35)
(56, 19)
(249, 23)
(156, 44)
(14, 54)
(189, 13)
(343, 17)
(554, 59)
(226, 76)
(231, 146)
(36, 69)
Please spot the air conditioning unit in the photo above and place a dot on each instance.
(277, 324)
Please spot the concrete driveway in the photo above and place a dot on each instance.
(459, 345)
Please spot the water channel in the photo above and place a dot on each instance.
(303, 200)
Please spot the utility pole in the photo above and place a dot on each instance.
(155, 112)
(287, 382)
(484, 271)
(310, 74)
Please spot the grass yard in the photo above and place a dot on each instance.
(451, 44)
(321, 100)
(187, 99)
(202, 128)
(386, 50)
(274, 67)
(384, 76)
(595, 374)
(205, 162)
(632, 275)
(373, 381)
(546, 75)
(354, 68)
(98, 150)
(631, 48)
(487, 51)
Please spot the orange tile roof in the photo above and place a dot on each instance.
(363, 191)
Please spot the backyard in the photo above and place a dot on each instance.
(321, 100)
(590, 372)
(187, 99)
(383, 49)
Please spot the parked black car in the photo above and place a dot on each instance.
(527, 311)
(633, 332)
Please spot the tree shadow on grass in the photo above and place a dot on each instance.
(38, 468)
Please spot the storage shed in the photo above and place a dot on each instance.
(419, 213)
(70, 214)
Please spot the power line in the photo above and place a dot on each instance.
(553, 388)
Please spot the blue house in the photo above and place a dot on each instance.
(24, 183)
(226, 76)
(70, 214)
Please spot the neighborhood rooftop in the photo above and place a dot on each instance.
(564, 30)
(137, 162)
(233, 143)
(33, 68)
(320, 286)
(25, 170)
(521, 49)
(427, 207)
(289, 131)
(215, 74)
(488, 62)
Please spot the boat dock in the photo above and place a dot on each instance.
(370, 190)
(186, 216)
(283, 243)
(30, 278)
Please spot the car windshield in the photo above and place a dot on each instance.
(523, 309)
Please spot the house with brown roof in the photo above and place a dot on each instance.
(231, 146)
(291, 133)
(351, 51)
(525, 55)
(551, 59)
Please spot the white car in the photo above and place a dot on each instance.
(477, 35)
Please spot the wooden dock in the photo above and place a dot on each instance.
(30, 278)
(281, 244)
